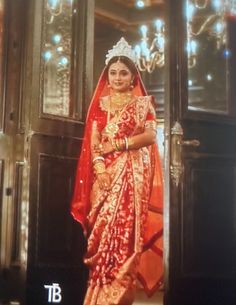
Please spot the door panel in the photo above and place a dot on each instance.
(208, 217)
(53, 140)
(202, 236)
(40, 243)
(56, 242)
(11, 44)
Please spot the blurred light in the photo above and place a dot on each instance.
(159, 24)
(189, 11)
(137, 50)
(217, 4)
(219, 26)
(209, 77)
(190, 82)
(63, 61)
(47, 55)
(227, 53)
(161, 42)
(140, 4)
(53, 3)
(56, 38)
(59, 49)
(144, 30)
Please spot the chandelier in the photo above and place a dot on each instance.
(150, 56)
(202, 16)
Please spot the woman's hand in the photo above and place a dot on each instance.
(103, 148)
(104, 181)
(107, 147)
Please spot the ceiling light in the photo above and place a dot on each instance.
(140, 4)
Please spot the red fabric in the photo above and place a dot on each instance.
(80, 205)
(151, 259)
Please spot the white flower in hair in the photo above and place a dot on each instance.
(122, 48)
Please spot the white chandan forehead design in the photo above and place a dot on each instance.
(122, 48)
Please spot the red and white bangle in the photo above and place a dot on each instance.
(98, 158)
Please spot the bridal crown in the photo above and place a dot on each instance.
(122, 48)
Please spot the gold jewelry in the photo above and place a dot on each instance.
(113, 143)
(120, 144)
(98, 158)
(117, 145)
(99, 167)
(126, 144)
(119, 100)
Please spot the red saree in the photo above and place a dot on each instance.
(124, 224)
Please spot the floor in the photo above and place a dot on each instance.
(142, 299)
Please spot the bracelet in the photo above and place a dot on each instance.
(99, 167)
(117, 145)
(113, 143)
(122, 144)
(98, 158)
(126, 144)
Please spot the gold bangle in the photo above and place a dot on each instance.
(117, 145)
(122, 144)
(113, 143)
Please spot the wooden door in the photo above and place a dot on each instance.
(12, 18)
(46, 89)
(57, 96)
(200, 195)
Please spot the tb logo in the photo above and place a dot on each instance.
(54, 293)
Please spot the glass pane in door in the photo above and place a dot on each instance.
(209, 53)
(56, 56)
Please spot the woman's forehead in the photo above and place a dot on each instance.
(118, 66)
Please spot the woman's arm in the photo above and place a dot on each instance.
(103, 177)
(95, 141)
(146, 138)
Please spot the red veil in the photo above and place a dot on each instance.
(81, 199)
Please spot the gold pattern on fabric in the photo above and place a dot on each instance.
(117, 219)
(120, 291)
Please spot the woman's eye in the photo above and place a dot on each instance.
(124, 73)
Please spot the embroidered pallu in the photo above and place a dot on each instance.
(118, 218)
(123, 225)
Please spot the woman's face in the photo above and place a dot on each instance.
(119, 77)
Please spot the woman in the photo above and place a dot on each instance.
(118, 190)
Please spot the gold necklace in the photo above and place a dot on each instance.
(112, 126)
(119, 100)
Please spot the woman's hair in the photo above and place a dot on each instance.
(126, 61)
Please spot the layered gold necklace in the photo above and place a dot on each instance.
(117, 102)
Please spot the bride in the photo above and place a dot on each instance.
(118, 189)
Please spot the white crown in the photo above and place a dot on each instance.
(122, 48)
